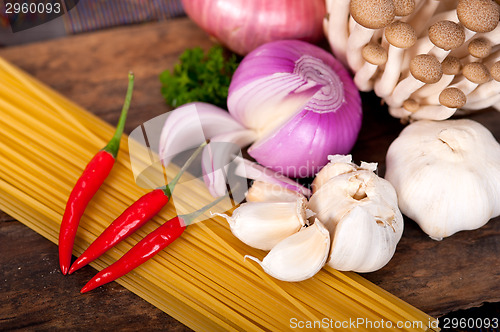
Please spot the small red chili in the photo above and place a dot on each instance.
(87, 185)
(132, 218)
(145, 249)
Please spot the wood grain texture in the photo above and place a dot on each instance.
(91, 69)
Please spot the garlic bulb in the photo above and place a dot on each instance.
(360, 211)
(446, 174)
(263, 224)
(299, 256)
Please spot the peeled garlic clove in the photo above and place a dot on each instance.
(263, 224)
(365, 238)
(299, 256)
(446, 174)
(261, 191)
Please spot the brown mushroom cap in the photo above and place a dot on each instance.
(451, 65)
(426, 68)
(404, 7)
(495, 71)
(479, 47)
(452, 98)
(476, 72)
(372, 14)
(447, 35)
(374, 53)
(478, 15)
(411, 105)
(400, 34)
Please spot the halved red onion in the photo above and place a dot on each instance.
(301, 102)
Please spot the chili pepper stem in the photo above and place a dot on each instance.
(190, 217)
(132, 218)
(169, 188)
(148, 247)
(114, 144)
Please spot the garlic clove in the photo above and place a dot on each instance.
(339, 164)
(299, 256)
(261, 191)
(263, 224)
(365, 238)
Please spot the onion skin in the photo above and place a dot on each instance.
(243, 25)
(312, 95)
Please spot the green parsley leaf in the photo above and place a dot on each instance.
(199, 77)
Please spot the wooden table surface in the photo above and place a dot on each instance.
(459, 272)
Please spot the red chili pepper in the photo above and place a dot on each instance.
(153, 243)
(87, 185)
(132, 218)
(149, 246)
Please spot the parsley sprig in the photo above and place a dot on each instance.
(199, 77)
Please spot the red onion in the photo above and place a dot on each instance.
(243, 25)
(300, 101)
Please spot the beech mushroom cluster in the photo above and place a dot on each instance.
(425, 58)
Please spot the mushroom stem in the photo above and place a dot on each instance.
(335, 27)
(400, 36)
(461, 83)
(424, 69)
(390, 76)
(363, 77)
(400, 113)
(426, 11)
(358, 38)
(403, 91)
(370, 15)
(429, 91)
(463, 51)
(484, 93)
(425, 112)
(433, 112)
(451, 66)
(374, 55)
(479, 104)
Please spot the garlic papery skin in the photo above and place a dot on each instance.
(299, 256)
(446, 174)
(261, 191)
(263, 224)
(360, 211)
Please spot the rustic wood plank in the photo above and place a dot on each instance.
(91, 69)
(35, 296)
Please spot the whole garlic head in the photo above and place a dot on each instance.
(446, 174)
(360, 211)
